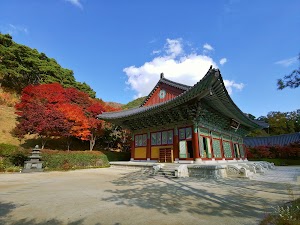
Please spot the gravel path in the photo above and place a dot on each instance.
(119, 197)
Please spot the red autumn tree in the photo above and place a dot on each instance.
(37, 114)
(50, 110)
(76, 120)
(96, 125)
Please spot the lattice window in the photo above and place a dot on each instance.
(162, 138)
(227, 149)
(170, 137)
(140, 140)
(158, 140)
(182, 134)
(188, 133)
(217, 148)
(153, 139)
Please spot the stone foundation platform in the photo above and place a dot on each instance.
(244, 169)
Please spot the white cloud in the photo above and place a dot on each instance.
(13, 29)
(223, 61)
(287, 62)
(155, 52)
(173, 47)
(230, 84)
(176, 65)
(208, 47)
(76, 3)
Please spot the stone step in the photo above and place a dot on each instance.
(167, 170)
(162, 173)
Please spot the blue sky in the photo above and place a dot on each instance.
(120, 47)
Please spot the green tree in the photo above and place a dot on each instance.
(292, 80)
(21, 66)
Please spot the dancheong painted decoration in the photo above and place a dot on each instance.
(181, 123)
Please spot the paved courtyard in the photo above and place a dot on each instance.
(119, 197)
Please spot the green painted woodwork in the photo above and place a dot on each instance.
(227, 149)
(215, 134)
(182, 149)
(242, 152)
(204, 131)
(226, 137)
(216, 148)
(235, 139)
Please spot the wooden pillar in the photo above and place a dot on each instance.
(195, 142)
(148, 148)
(222, 149)
(245, 151)
(175, 144)
(232, 149)
(132, 148)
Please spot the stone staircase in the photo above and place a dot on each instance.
(168, 170)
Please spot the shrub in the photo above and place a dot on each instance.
(13, 169)
(61, 160)
(18, 157)
(291, 151)
(7, 149)
(288, 214)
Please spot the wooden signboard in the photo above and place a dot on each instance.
(182, 149)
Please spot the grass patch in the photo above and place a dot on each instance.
(280, 162)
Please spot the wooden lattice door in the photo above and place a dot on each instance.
(166, 155)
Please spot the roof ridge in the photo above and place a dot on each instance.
(184, 85)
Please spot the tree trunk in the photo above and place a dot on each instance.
(44, 140)
(92, 141)
(68, 143)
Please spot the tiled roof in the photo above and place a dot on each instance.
(279, 140)
(210, 89)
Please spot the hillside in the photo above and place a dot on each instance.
(21, 66)
(135, 103)
(7, 121)
(8, 118)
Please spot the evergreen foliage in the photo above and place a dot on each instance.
(21, 66)
(292, 80)
(135, 103)
(279, 123)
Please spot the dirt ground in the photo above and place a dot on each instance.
(113, 196)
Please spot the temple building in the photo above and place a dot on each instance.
(186, 124)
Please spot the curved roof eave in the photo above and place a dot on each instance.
(230, 109)
(212, 81)
(190, 93)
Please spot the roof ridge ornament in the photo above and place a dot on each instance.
(162, 76)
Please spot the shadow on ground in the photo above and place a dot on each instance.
(6, 208)
(222, 198)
